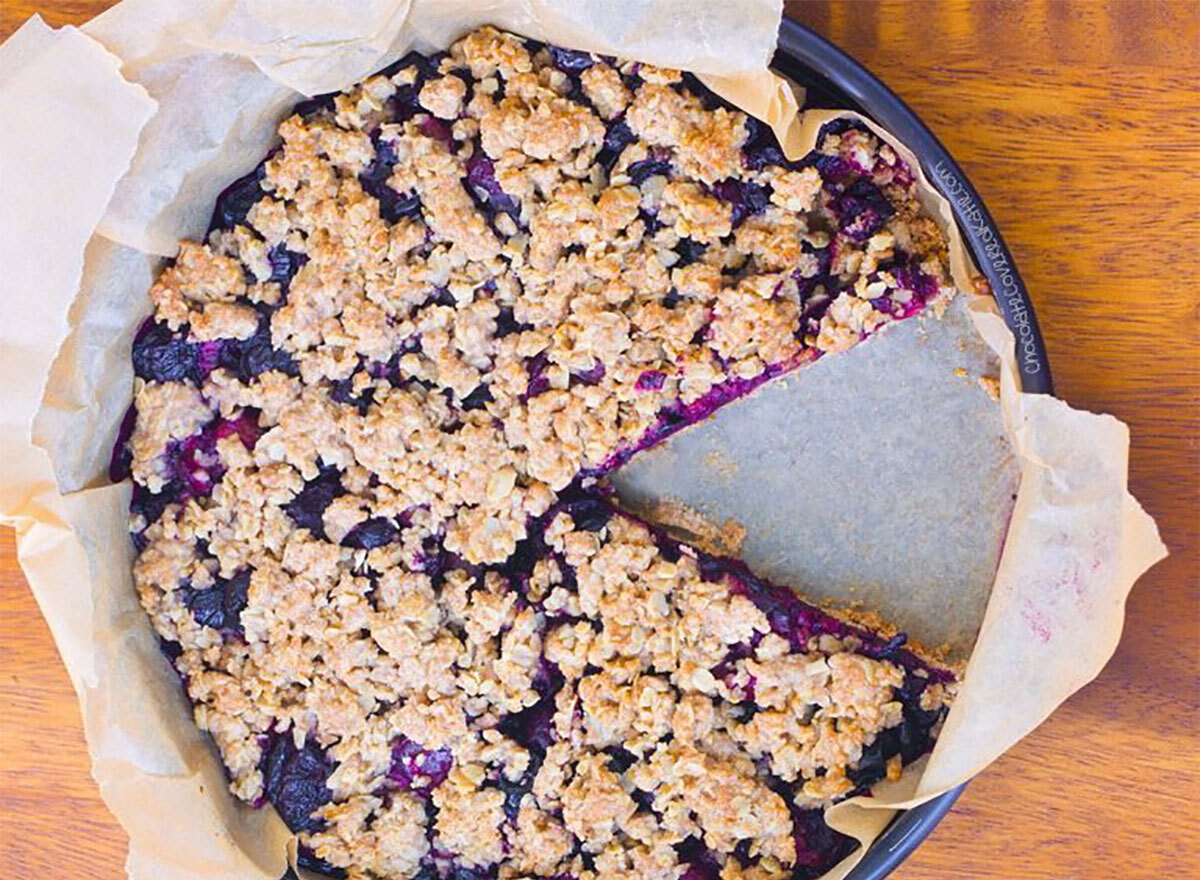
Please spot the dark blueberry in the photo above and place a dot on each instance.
(522, 560)
(650, 380)
(463, 872)
(644, 799)
(393, 205)
(690, 251)
(121, 458)
(639, 171)
(210, 355)
(264, 358)
(375, 532)
(374, 178)
(308, 507)
(591, 376)
(427, 871)
(539, 382)
(482, 184)
(170, 649)
(514, 793)
(670, 551)
(194, 461)
(150, 505)
(477, 399)
(710, 99)
(808, 283)
(160, 355)
(701, 871)
(727, 671)
(236, 200)
(589, 514)
(620, 760)
(616, 138)
(633, 80)
(284, 264)
(252, 357)
(548, 680)
(759, 158)
(912, 278)
(412, 762)
(421, 61)
(872, 766)
(833, 169)
(237, 591)
(315, 106)
(506, 324)
(385, 155)
(571, 60)
(295, 782)
(653, 224)
(207, 606)
(883, 304)
(839, 125)
(308, 860)
(757, 131)
(702, 863)
(442, 297)
(741, 852)
(861, 209)
(245, 426)
(405, 104)
(910, 692)
(746, 199)
(818, 847)
(761, 148)
(221, 605)
(438, 129)
(532, 728)
(431, 63)
(342, 391)
(915, 736)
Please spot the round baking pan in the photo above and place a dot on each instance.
(835, 80)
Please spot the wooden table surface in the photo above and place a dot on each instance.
(1079, 122)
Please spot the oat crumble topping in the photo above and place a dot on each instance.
(369, 413)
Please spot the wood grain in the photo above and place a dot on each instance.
(1078, 122)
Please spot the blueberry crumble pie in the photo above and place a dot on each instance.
(373, 413)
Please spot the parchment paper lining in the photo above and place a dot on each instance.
(203, 84)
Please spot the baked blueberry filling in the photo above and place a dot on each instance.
(307, 508)
(417, 769)
(219, 606)
(294, 781)
(236, 200)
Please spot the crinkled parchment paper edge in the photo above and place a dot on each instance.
(1076, 544)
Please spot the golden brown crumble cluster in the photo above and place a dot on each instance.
(461, 285)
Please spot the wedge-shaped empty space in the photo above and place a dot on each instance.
(880, 476)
